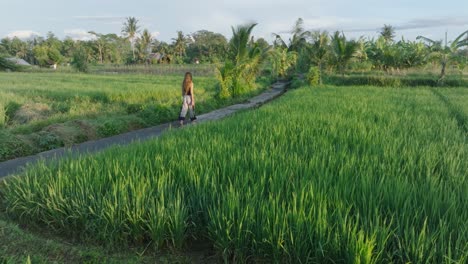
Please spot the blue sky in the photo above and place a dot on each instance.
(355, 18)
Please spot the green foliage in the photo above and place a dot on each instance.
(311, 188)
(342, 51)
(242, 66)
(400, 55)
(225, 75)
(387, 33)
(80, 60)
(394, 81)
(282, 62)
(7, 64)
(134, 108)
(313, 76)
(11, 146)
(72, 106)
(10, 109)
(47, 141)
(61, 107)
(207, 47)
(111, 127)
(157, 114)
(446, 54)
(297, 82)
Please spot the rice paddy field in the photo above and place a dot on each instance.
(46, 110)
(320, 175)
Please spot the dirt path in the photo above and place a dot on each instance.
(16, 165)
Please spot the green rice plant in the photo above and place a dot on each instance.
(365, 175)
(3, 117)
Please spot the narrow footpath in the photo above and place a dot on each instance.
(15, 166)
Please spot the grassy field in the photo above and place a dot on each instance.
(42, 111)
(321, 175)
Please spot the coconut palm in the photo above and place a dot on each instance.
(130, 30)
(242, 64)
(319, 51)
(342, 51)
(446, 54)
(144, 45)
(180, 44)
(388, 33)
(298, 39)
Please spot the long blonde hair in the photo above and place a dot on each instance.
(187, 83)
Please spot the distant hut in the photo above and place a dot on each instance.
(158, 58)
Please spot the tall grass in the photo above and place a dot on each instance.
(330, 175)
(71, 96)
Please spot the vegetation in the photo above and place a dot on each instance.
(240, 70)
(5, 64)
(448, 53)
(332, 54)
(369, 175)
(42, 111)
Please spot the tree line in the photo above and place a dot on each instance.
(304, 51)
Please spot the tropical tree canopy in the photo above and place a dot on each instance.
(129, 30)
(242, 64)
(448, 53)
(388, 33)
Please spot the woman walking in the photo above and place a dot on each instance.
(188, 99)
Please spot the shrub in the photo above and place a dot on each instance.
(111, 127)
(12, 147)
(394, 81)
(46, 140)
(7, 65)
(61, 107)
(313, 76)
(80, 61)
(10, 109)
(133, 108)
(155, 114)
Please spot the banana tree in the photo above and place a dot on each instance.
(448, 53)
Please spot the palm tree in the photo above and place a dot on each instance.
(447, 53)
(180, 44)
(388, 33)
(242, 64)
(144, 45)
(319, 51)
(129, 30)
(298, 39)
(342, 51)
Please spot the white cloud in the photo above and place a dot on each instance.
(79, 34)
(23, 34)
(155, 34)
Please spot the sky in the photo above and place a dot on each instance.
(355, 18)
